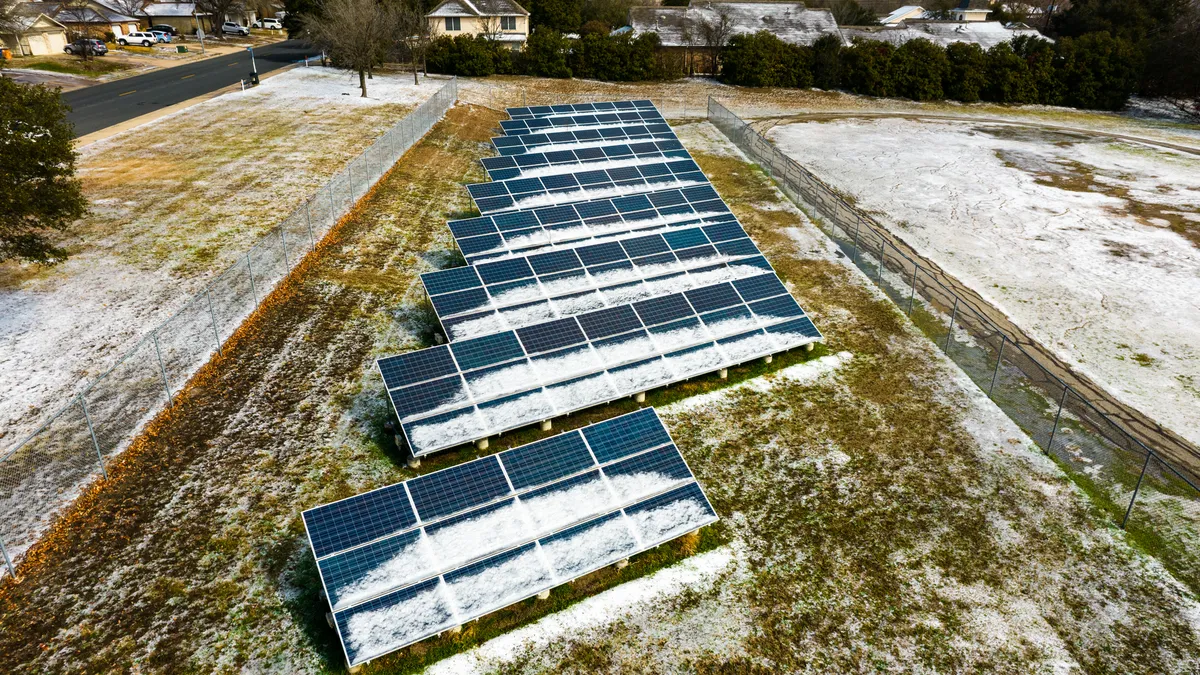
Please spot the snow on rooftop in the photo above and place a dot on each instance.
(986, 34)
(791, 22)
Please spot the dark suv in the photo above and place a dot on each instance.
(88, 46)
(164, 28)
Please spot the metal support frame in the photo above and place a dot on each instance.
(162, 369)
(1137, 487)
(999, 358)
(912, 295)
(1058, 415)
(92, 431)
(950, 331)
(879, 272)
(854, 251)
(213, 315)
(7, 560)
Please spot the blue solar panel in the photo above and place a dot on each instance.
(486, 350)
(663, 309)
(424, 397)
(555, 261)
(626, 435)
(598, 254)
(685, 238)
(504, 270)
(608, 322)
(357, 520)
(757, 288)
(777, 307)
(548, 336)
(458, 488)
(547, 460)
(426, 364)
(713, 297)
(446, 281)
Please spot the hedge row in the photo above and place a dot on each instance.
(1091, 71)
(548, 54)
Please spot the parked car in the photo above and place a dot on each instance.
(162, 37)
(270, 24)
(88, 46)
(143, 39)
(232, 28)
(165, 28)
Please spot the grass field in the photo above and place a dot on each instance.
(878, 512)
(72, 65)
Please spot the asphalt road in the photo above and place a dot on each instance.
(101, 106)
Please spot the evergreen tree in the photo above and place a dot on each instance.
(967, 74)
(918, 68)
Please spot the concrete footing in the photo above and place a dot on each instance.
(547, 425)
(809, 347)
(640, 397)
(414, 462)
(768, 358)
(481, 444)
(329, 620)
(355, 669)
(622, 563)
(544, 595)
(724, 373)
(454, 631)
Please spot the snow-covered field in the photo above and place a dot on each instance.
(1091, 245)
(174, 202)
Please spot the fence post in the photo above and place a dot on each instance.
(162, 369)
(879, 272)
(88, 418)
(854, 251)
(913, 294)
(287, 265)
(1137, 487)
(213, 315)
(7, 560)
(1054, 430)
(253, 290)
(332, 209)
(312, 241)
(950, 332)
(999, 357)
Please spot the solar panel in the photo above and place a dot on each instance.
(527, 112)
(568, 139)
(517, 377)
(489, 533)
(529, 192)
(572, 281)
(588, 120)
(498, 234)
(503, 167)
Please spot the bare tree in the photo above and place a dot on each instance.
(415, 33)
(12, 22)
(716, 32)
(217, 10)
(489, 27)
(688, 37)
(355, 33)
(133, 8)
(79, 12)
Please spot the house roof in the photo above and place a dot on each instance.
(26, 20)
(790, 21)
(986, 34)
(94, 13)
(170, 9)
(478, 8)
(974, 5)
(902, 13)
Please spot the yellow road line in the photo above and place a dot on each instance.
(127, 93)
(187, 76)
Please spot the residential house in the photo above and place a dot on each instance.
(182, 16)
(34, 34)
(986, 34)
(501, 20)
(681, 30)
(971, 10)
(903, 14)
(93, 19)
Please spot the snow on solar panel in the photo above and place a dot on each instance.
(593, 183)
(594, 120)
(552, 283)
(474, 388)
(405, 562)
(568, 139)
(607, 156)
(527, 112)
(499, 234)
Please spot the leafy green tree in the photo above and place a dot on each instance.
(918, 68)
(966, 78)
(546, 54)
(827, 62)
(1008, 77)
(39, 193)
(1039, 58)
(295, 10)
(763, 60)
(847, 12)
(865, 68)
(563, 16)
(1098, 70)
(1132, 20)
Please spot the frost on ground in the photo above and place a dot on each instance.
(1091, 245)
(172, 203)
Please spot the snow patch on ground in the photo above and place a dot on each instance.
(1046, 227)
(799, 373)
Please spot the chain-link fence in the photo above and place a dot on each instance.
(1114, 466)
(52, 466)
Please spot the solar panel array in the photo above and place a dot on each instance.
(567, 139)
(533, 125)
(528, 112)
(513, 292)
(408, 561)
(502, 167)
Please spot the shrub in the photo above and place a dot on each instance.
(1008, 77)
(966, 77)
(826, 62)
(546, 54)
(1039, 56)
(865, 68)
(918, 68)
(1098, 70)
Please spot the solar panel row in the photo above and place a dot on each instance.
(582, 138)
(528, 192)
(474, 388)
(588, 120)
(526, 112)
(503, 167)
(407, 561)
(498, 234)
(512, 292)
